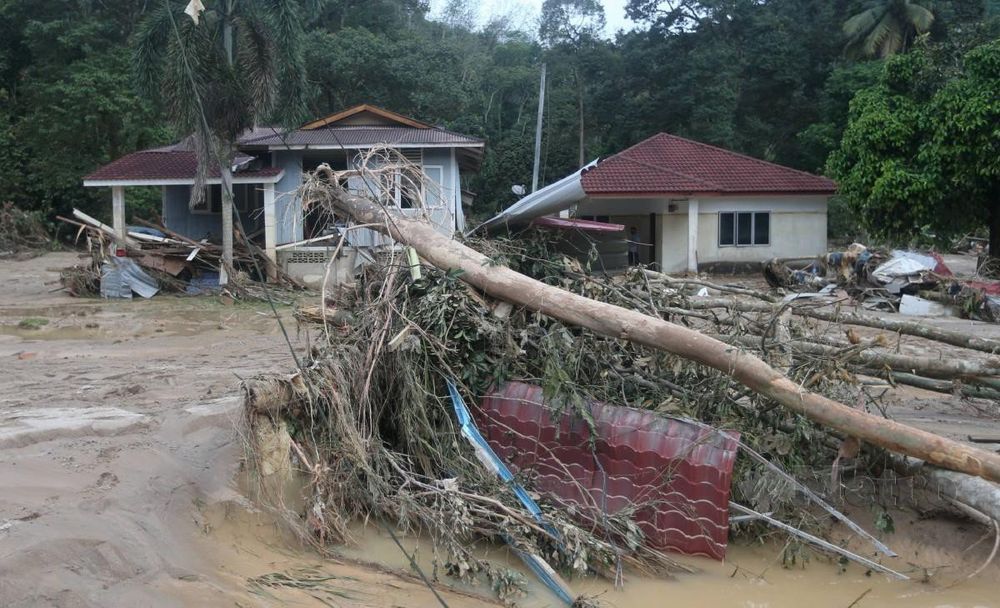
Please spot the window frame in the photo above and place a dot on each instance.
(442, 200)
(753, 228)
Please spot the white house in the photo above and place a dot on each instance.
(693, 204)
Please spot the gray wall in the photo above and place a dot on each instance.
(178, 217)
(287, 205)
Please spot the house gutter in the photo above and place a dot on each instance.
(553, 198)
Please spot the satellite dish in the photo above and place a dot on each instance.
(518, 189)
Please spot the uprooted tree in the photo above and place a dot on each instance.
(614, 321)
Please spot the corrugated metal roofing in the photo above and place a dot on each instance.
(164, 163)
(667, 164)
(360, 136)
(677, 473)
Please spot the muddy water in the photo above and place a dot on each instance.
(937, 553)
(751, 577)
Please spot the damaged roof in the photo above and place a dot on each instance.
(668, 164)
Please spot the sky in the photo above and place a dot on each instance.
(526, 12)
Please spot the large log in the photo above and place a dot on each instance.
(613, 321)
(808, 308)
(983, 372)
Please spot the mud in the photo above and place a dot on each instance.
(120, 447)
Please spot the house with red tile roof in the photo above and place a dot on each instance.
(691, 204)
(269, 169)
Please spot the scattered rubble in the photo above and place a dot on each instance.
(374, 422)
(907, 282)
(153, 258)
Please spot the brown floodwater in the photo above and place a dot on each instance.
(750, 577)
(936, 554)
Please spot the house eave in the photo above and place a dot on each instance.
(611, 195)
(103, 183)
(357, 146)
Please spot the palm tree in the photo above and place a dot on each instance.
(219, 70)
(886, 27)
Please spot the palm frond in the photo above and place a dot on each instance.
(862, 23)
(256, 61)
(919, 17)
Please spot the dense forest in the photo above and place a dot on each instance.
(774, 79)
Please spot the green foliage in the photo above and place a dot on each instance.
(921, 151)
(32, 323)
(767, 78)
(886, 27)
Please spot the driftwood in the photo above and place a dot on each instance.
(614, 321)
(973, 371)
(908, 328)
(811, 310)
(970, 491)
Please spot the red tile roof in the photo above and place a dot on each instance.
(168, 163)
(667, 164)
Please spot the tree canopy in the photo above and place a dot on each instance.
(769, 78)
(921, 151)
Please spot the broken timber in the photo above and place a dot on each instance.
(614, 321)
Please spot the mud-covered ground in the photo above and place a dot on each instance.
(120, 451)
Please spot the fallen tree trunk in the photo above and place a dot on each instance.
(976, 493)
(613, 321)
(944, 386)
(909, 328)
(983, 372)
(669, 280)
(810, 310)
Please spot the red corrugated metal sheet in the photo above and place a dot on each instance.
(667, 164)
(575, 224)
(677, 472)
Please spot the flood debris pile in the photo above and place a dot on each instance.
(382, 417)
(908, 282)
(22, 233)
(152, 258)
(372, 428)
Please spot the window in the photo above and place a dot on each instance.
(211, 202)
(434, 185)
(247, 197)
(744, 228)
(595, 218)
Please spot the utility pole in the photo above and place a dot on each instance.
(538, 131)
(225, 163)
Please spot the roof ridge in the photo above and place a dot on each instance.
(668, 169)
(731, 152)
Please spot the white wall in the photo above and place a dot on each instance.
(798, 226)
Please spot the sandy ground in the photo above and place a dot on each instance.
(119, 455)
(119, 451)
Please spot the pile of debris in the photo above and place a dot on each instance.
(22, 233)
(152, 258)
(907, 282)
(503, 391)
